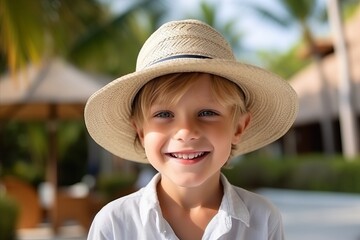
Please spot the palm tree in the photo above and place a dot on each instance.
(209, 13)
(347, 117)
(301, 12)
(36, 30)
(80, 30)
(112, 46)
(33, 30)
(14, 47)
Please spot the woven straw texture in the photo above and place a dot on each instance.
(171, 49)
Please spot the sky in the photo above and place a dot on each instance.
(258, 33)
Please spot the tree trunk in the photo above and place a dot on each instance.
(347, 118)
(327, 133)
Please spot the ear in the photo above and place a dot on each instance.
(139, 132)
(240, 127)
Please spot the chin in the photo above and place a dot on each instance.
(189, 180)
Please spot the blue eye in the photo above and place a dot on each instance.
(164, 114)
(207, 113)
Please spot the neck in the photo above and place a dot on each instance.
(207, 195)
(195, 206)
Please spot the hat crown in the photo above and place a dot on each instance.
(179, 39)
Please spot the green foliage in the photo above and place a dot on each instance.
(284, 64)
(210, 13)
(24, 148)
(311, 175)
(49, 27)
(314, 172)
(111, 47)
(301, 9)
(116, 184)
(295, 12)
(26, 171)
(349, 7)
(72, 152)
(17, 48)
(255, 173)
(9, 215)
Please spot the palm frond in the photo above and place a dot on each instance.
(268, 15)
(21, 32)
(112, 47)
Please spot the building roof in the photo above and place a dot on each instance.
(308, 85)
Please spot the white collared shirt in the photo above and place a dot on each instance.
(242, 215)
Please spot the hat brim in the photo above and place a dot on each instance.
(271, 101)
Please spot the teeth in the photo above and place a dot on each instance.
(187, 156)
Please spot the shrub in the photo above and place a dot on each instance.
(310, 172)
(255, 173)
(9, 215)
(116, 185)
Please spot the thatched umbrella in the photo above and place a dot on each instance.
(54, 91)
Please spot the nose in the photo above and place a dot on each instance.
(187, 130)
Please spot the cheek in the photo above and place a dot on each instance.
(224, 132)
(153, 141)
(154, 144)
(224, 137)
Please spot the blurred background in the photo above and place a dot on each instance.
(55, 53)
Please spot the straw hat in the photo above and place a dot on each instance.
(190, 46)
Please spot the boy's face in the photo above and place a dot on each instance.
(190, 141)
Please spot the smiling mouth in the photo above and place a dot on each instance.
(188, 156)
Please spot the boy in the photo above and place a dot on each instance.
(188, 108)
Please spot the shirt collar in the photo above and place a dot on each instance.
(231, 204)
(149, 201)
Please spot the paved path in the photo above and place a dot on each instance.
(44, 232)
(316, 215)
